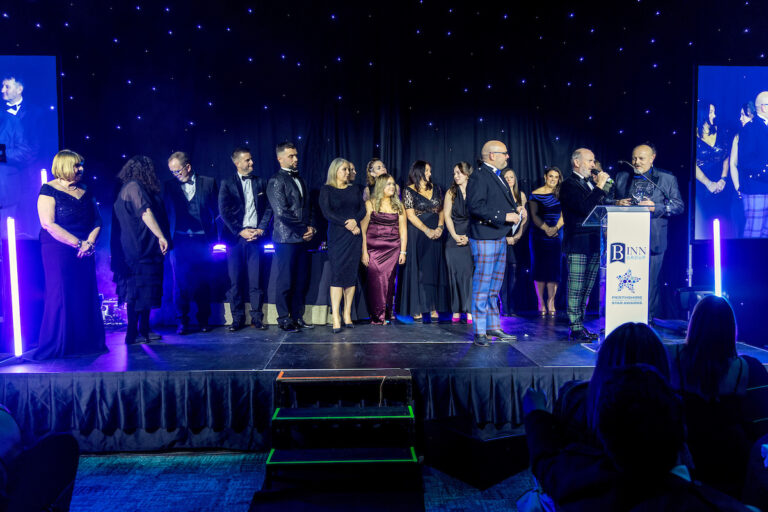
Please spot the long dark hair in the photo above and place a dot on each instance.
(141, 169)
(466, 170)
(418, 173)
(702, 118)
(556, 192)
(709, 346)
(630, 343)
(516, 187)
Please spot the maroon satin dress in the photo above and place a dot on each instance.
(383, 238)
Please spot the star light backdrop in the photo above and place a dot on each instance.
(400, 80)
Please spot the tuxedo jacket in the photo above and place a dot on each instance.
(665, 195)
(204, 201)
(293, 211)
(577, 200)
(232, 206)
(489, 200)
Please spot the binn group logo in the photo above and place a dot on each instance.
(621, 252)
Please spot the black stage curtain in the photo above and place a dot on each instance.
(141, 411)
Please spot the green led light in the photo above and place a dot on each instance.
(351, 417)
(354, 461)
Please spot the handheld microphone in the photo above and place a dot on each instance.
(595, 172)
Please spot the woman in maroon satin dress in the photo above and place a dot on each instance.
(385, 238)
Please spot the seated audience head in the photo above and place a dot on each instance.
(495, 154)
(178, 164)
(640, 422)
(420, 175)
(385, 187)
(710, 345)
(67, 165)
(140, 168)
(338, 173)
(747, 112)
(287, 155)
(374, 169)
(629, 344)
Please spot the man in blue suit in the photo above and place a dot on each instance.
(660, 193)
(493, 215)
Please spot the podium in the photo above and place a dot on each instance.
(625, 233)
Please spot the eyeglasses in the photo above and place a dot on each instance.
(176, 172)
(499, 153)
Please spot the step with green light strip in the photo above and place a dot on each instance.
(343, 413)
(343, 456)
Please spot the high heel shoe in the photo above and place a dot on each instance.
(542, 312)
(336, 330)
(349, 325)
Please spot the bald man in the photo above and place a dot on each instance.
(493, 215)
(751, 179)
(579, 194)
(661, 194)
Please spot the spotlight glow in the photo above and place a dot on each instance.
(219, 249)
(13, 271)
(716, 246)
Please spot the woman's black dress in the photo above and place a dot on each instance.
(424, 280)
(546, 251)
(458, 258)
(72, 322)
(344, 249)
(137, 262)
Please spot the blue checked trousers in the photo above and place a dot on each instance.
(490, 259)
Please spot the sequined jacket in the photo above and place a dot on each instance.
(292, 210)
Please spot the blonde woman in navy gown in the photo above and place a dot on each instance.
(343, 207)
(385, 240)
(72, 322)
(458, 255)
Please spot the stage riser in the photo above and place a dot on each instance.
(148, 411)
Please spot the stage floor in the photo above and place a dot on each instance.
(542, 342)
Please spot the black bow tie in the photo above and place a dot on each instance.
(293, 173)
(248, 177)
(13, 107)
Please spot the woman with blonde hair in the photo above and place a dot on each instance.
(343, 207)
(385, 238)
(71, 224)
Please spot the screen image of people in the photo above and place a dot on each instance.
(731, 134)
(28, 135)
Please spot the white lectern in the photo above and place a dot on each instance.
(624, 259)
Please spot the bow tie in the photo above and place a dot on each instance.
(248, 177)
(13, 107)
(292, 174)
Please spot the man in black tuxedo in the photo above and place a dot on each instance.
(493, 214)
(750, 176)
(294, 228)
(246, 214)
(579, 193)
(190, 201)
(660, 193)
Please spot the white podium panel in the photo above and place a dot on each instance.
(627, 260)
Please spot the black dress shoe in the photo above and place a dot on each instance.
(206, 328)
(235, 326)
(153, 336)
(258, 324)
(580, 336)
(288, 327)
(300, 323)
(501, 335)
(481, 340)
(591, 334)
(138, 340)
(183, 329)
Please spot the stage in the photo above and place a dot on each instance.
(216, 390)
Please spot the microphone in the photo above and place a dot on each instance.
(595, 172)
